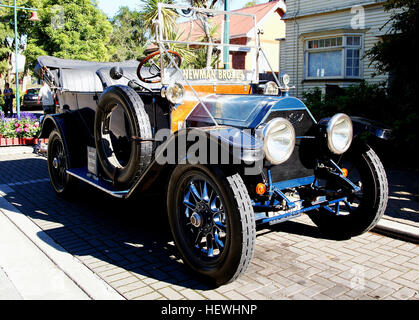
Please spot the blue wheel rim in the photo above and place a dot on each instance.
(203, 219)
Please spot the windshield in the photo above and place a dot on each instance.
(214, 46)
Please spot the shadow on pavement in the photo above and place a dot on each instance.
(403, 195)
(107, 233)
(131, 234)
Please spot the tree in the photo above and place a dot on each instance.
(7, 44)
(396, 54)
(170, 31)
(70, 29)
(149, 14)
(206, 25)
(128, 37)
(4, 48)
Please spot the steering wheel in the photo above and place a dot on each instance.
(152, 61)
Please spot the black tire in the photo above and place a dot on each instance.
(368, 206)
(122, 158)
(58, 163)
(218, 255)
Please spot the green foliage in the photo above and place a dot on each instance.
(201, 60)
(188, 55)
(68, 29)
(363, 100)
(396, 50)
(396, 54)
(128, 37)
(5, 31)
(84, 35)
(149, 14)
(374, 102)
(191, 57)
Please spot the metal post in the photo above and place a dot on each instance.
(226, 34)
(16, 61)
(15, 7)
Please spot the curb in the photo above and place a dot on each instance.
(13, 150)
(397, 230)
(95, 287)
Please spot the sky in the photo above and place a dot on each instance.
(110, 7)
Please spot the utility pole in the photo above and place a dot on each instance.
(226, 50)
(16, 65)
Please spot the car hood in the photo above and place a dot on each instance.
(246, 111)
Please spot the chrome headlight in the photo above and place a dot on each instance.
(339, 133)
(278, 140)
(174, 93)
(271, 89)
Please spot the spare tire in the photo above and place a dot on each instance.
(121, 126)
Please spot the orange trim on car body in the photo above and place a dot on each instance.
(190, 101)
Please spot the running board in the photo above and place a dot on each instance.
(84, 175)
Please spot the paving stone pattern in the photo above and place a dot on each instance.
(128, 244)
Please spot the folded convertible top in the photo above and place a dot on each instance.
(58, 63)
(83, 76)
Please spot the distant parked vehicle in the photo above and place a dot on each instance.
(30, 99)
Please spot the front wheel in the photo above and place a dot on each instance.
(364, 209)
(212, 222)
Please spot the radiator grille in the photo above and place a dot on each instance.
(300, 164)
(299, 118)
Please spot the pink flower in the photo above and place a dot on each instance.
(17, 125)
(26, 129)
(18, 130)
(27, 125)
(36, 125)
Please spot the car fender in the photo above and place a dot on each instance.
(363, 126)
(377, 129)
(218, 142)
(235, 148)
(75, 143)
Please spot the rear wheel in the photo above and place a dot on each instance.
(62, 182)
(364, 209)
(212, 222)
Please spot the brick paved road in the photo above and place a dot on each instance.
(128, 244)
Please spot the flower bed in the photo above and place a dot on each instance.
(6, 142)
(22, 130)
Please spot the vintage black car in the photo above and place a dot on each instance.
(227, 152)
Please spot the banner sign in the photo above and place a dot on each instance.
(21, 62)
(216, 75)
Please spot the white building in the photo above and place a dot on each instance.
(326, 41)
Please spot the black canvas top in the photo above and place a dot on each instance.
(58, 63)
(87, 76)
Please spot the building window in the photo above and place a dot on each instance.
(333, 57)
